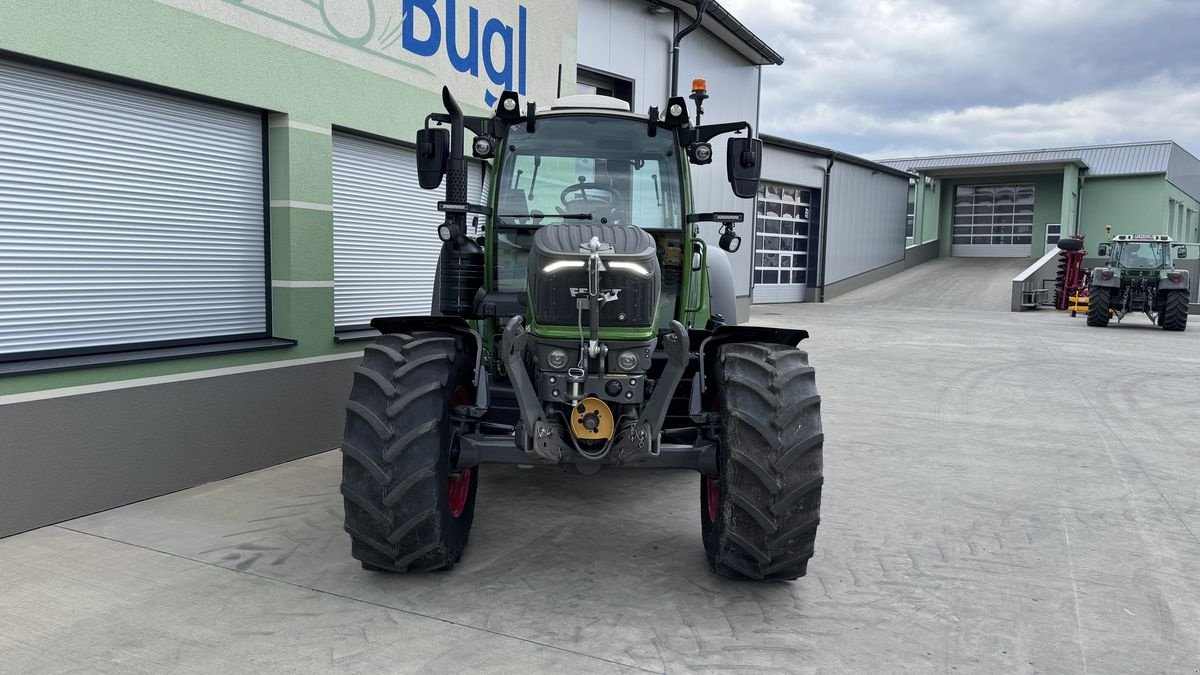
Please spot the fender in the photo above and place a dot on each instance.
(1114, 281)
(733, 334)
(1184, 283)
(721, 293)
(447, 324)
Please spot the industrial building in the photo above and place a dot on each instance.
(206, 202)
(1018, 204)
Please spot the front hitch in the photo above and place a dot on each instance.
(537, 435)
(641, 440)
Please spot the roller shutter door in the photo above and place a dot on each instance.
(127, 217)
(385, 244)
(993, 221)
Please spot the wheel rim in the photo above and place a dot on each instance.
(460, 485)
(460, 488)
(712, 491)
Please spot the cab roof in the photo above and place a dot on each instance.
(1142, 237)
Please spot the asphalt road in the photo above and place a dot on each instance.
(1004, 493)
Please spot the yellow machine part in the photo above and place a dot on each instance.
(1079, 303)
(592, 420)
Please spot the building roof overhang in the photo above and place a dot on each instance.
(1001, 169)
(722, 24)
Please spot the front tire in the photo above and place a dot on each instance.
(759, 515)
(405, 511)
(1175, 309)
(1099, 304)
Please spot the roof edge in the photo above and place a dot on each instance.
(790, 144)
(1029, 150)
(736, 30)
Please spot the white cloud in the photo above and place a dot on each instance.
(921, 76)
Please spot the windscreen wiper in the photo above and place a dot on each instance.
(564, 216)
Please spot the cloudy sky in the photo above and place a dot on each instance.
(892, 78)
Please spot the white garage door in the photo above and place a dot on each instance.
(385, 243)
(993, 221)
(128, 217)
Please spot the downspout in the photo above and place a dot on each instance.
(678, 38)
(824, 229)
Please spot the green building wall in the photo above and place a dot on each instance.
(1047, 204)
(307, 94)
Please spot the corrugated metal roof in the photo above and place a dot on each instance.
(1101, 160)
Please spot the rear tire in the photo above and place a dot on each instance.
(399, 495)
(1099, 304)
(1175, 309)
(759, 515)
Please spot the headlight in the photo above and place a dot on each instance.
(557, 359)
(627, 361)
(636, 268)
(562, 265)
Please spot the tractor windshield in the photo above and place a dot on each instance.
(1142, 255)
(591, 168)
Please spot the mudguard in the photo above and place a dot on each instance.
(448, 324)
(1165, 284)
(721, 293)
(710, 342)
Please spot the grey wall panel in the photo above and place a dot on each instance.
(1184, 171)
(921, 254)
(733, 85)
(66, 457)
(784, 165)
(621, 37)
(866, 221)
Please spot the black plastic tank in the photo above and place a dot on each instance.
(460, 276)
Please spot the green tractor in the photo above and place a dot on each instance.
(587, 326)
(1140, 276)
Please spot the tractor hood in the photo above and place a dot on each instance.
(560, 278)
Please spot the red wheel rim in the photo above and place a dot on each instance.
(712, 491)
(460, 486)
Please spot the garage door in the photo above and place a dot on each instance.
(781, 242)
(128, 217)
(385, 244)
(993, 221)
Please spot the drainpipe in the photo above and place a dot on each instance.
(824, 228)
(678, 38)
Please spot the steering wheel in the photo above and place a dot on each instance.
(603, 198)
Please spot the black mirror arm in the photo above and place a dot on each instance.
(710, 131)
(479, 125)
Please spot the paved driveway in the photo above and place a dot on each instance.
(1004, 492)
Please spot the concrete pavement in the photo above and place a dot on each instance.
(996, 500)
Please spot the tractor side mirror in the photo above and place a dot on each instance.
(697, 256)
(1102, 250)
(1181, 252)
(433, 151)
(743, 162)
